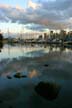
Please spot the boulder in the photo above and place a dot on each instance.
(18, 75)
(48, 90)
(46, 65)
(9, 77)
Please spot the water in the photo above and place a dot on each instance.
(48, 63)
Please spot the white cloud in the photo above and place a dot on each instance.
(33, 5)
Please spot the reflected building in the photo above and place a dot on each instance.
(1, 46)
(1, 41)
(1, 37)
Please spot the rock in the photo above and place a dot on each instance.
(46, 65)
(23, 76)
(48, 90)
(18, 75)
(9, 77)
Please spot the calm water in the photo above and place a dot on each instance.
(38, 63)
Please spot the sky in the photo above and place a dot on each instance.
(38, 15)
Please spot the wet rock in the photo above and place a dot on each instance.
(48, 90)
(18, 75)
(9, 77)
(23, 76)
(46, 65)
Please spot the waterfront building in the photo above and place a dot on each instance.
(62, 35)
(1, 37)
(51, 35)
(45, 36)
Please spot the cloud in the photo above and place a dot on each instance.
(33, 5)
(12, 13)
(19, 7)
(52, 14)
(57, 4)
(36, 27)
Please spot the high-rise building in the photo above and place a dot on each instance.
(45, 36)
(51, 34)
(62, 34)
(40, 37)
(70, 33)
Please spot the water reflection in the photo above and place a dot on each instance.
(1, 46)
(16, 51)
(22, 67)
(28, 50)
(34, 73)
